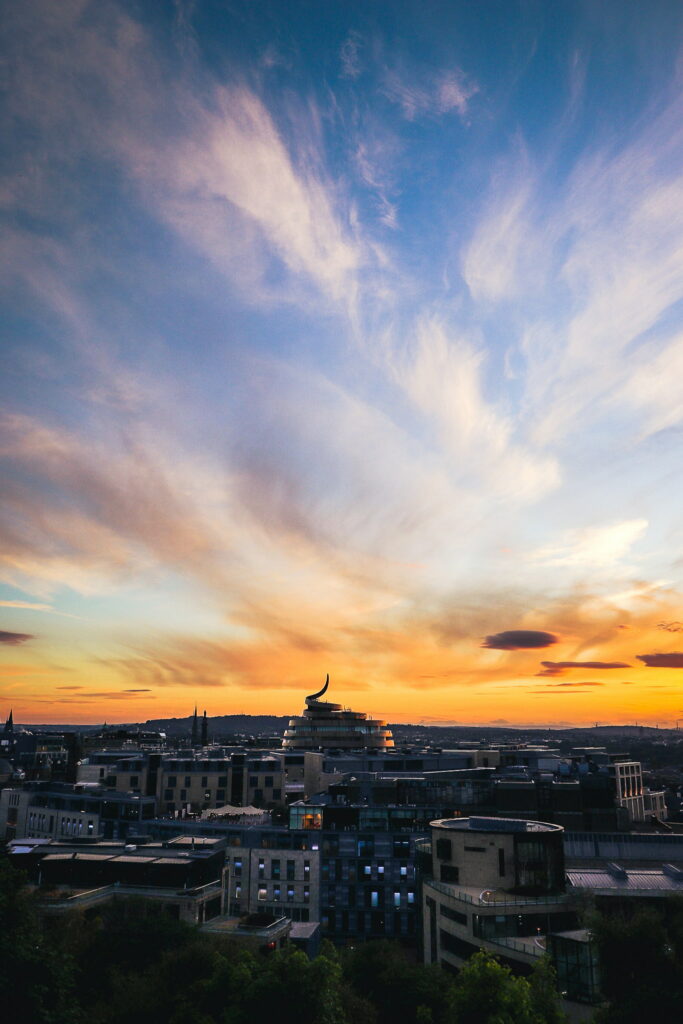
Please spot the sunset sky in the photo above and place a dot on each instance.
(342, 337)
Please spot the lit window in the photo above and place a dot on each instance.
(263, 894)
(374, 898)
(397, 899)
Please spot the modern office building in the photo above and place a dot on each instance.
(326, 726)
(496, 884)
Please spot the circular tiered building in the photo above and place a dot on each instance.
(326, 726)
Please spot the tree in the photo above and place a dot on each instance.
(36, 975)
(545, 999)
(641, 973)
(488, 993)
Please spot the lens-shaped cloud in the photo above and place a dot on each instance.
(519, 640)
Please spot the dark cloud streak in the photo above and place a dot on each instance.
(14, 639)
(519, 639)
(558, 668)
(672, 660)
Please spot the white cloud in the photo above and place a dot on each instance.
(418, 95)
(594, 546)
(443, 375)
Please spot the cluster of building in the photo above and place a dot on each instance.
(338, 834)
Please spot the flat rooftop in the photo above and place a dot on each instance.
(505, 825)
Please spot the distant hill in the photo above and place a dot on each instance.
(441, 735)
(219, 724)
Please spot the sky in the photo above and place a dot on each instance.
(342, 337)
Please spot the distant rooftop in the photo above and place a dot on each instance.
(495, 825)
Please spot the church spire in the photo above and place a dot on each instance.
(9, 724)
(195, 731)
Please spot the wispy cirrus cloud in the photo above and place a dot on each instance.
(420, 95)
(594, 545)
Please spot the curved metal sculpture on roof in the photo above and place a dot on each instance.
(315, 696)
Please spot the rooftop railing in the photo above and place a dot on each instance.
(495, 897)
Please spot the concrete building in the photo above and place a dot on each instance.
(186, 782)
(499, 885)
(58, 810)
(186, 878)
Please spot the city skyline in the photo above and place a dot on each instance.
(342, 338)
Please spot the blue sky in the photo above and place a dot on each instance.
(339, 337)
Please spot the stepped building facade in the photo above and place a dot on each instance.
(326, 726)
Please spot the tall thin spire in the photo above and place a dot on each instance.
(195, 730)
(205, 731)
(9, 724)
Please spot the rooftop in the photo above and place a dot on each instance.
(505, 825)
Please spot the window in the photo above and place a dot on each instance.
(168, 794)
(307, 894)
(262, 894)
(188, 781)
(276, 893)
(307, 869)
(449, 873)
(453, 915)
(275, 868)
(237, 868)
(380, 867)
(253, 780)
(183, 794)
(134, 781)
(223, 780)
(268, 782)
(238, 892)
(291, 871)
(277, 794)
(262, 869)
(403, 871)
(444, 849)
(172, 781)
(374, 898)
(290, 893)
(220, 795)
(366, 846)
(501, 862)
(475, 849)
(397, 900)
